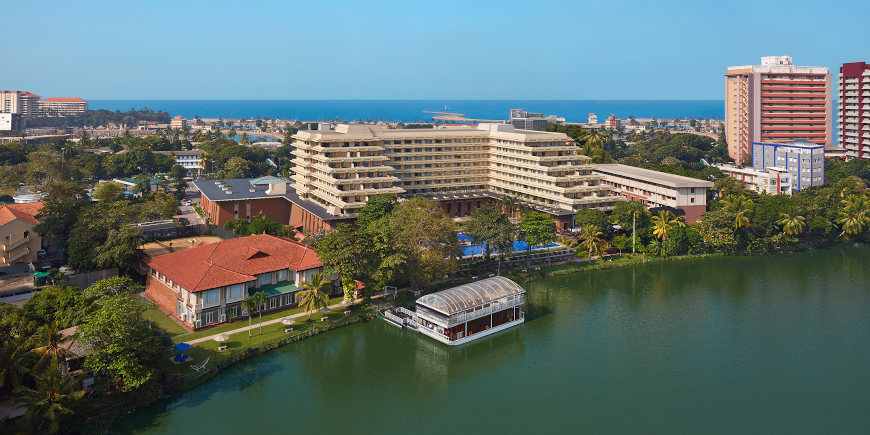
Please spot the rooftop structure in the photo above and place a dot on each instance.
(804, 160)
(206, 284)
(523, 120)
(470, 311)
(658, 189)
(854, 109)
(776, 101)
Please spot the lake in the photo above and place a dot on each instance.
(722, 345)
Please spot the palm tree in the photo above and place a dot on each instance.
(15, 359)
(792, 222)
(243, 139)
(636, 210)
(594, 139)
(312, 295)
(663, 223)
(590, 238)
(49, 400)
(855, 215)
(260, 299)
(51, 350)
(742, 209)
(250, 304)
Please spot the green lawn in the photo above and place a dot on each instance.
(239, 341)
(164, 321)
(243, 323)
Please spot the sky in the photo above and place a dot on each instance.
(407, 49)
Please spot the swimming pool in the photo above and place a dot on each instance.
(519, 246)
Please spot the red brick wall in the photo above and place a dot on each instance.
(275, 208)
(161, 294)
(693, 212)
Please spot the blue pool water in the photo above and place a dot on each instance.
(478, 249)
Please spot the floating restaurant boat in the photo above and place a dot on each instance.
(471, 311)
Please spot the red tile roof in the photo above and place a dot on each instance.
(26, 212)
(63, 100)
(28, 94)
(234, 261)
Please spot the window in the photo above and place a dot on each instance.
(273, 302)
(282, 275)
(264, 279)
(208, 317)
(234, 292)
(210, 298)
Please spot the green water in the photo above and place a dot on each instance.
(753, 344)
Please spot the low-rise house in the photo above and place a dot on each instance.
(190, 160)
(204, 286)
(18, 241)
(657, 189)
(772, 180)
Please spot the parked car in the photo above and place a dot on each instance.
(182, 221)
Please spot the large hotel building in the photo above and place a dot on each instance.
(342, 167)
(854, 109)
(776, 101)
(338, 168)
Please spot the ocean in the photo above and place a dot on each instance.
(413, 110)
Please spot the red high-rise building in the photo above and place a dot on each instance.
(854, 109)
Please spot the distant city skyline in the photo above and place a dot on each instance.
(610, 50)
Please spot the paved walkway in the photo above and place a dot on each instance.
(268, 322)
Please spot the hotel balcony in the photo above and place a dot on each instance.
(9, 246)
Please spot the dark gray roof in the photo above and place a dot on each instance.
(240, 188)
(470, 295)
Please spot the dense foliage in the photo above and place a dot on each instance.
(95, 118)
(123, 348)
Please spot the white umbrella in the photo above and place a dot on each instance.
(288, 321)
(346, 303)
(325, 310)
(221, 337)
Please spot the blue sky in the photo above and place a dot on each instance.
(441, 49)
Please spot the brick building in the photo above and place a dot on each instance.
(205, 285)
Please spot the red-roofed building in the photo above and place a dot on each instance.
(18, 242)
(204, 286)
(62, 106)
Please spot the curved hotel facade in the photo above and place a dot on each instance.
(340, 168)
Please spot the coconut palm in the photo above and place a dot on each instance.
(663, 223)
(594, 139)
(855, 215)
(742, 209)
(590, 238)
(792, 222)
(260, 300)
(49, 400)
(250, 304)
(51, 349)
(15, 358)
(312, 295)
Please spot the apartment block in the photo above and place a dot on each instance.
(657, 189)
(854, 109)
(19, 102)
(341, 167)
(61, 106)
(804, 161)
(776, 101)
(770, 180)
